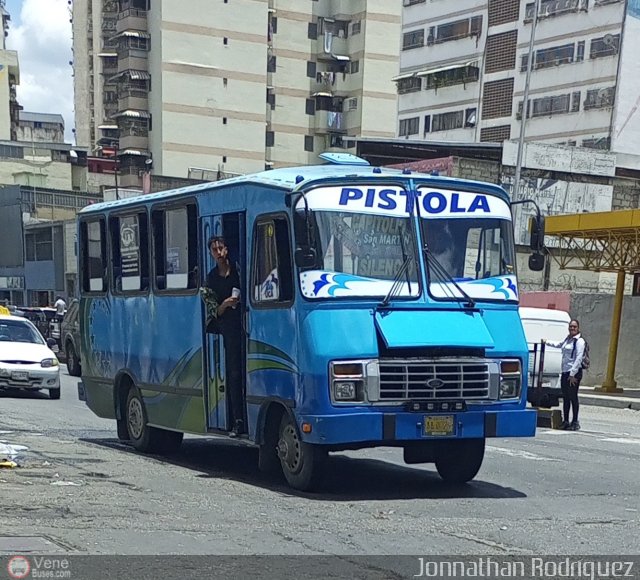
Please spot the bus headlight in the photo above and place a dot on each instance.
(353, 381)
(510, 379)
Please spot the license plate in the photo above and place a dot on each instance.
(20, 375)
(439, 425)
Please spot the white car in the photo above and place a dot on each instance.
(26, 359)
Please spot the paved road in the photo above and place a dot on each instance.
(80, 490)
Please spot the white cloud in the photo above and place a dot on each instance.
(43, 42)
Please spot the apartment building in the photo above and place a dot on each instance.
(463, 71)
(219, 87)
(9, 79)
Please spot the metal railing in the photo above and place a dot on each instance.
(36, 197)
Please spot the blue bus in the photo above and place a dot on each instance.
(377, 308)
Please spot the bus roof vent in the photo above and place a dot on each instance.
(343, 159)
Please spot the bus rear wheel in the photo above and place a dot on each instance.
(459, 460)
(301, 462)
(143, 437)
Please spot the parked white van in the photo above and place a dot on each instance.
(551, 325)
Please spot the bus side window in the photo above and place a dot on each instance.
(272, 273)
(94, 256)
(130, 253)
(175, 248)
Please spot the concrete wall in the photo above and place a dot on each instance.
(594, 311)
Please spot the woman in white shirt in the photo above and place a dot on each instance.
(572, 353)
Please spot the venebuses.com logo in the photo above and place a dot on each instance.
(21, 567)
(18, 567)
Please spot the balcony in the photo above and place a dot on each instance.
(132, 59)
(330, 122)
(133, 99)
(132, 141)
(331, 45)
(131, 20)
(343, 9)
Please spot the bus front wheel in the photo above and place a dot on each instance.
(301, 462)
(459, 460)
(143, 437)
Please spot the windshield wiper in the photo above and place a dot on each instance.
(397, 283)
(442, 273)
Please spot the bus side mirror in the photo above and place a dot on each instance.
(536, 262)
(536, 227)
(305, 257)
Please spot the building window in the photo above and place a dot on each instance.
(175, 241)
(354, 67)
(550, 57)
(600, 98)
(409, 127)
(308, 143)
(271, 99)
(497, 99)
(501, 51)
(427, 124)
(495, 134)
(39, 245)
(608, 45)
(503, 11)
(410, 85)
(453, 76)
(272, 270)
(455, 30)
(414, 39)
(580, 51)
(547, 106)
(270, 139)
(310, 107)
(412, 2)
(356, 27)
(549, 8)
(352, 104)
(271, 64)
(311, 69)
(9, 151)
(312, 31)
(597, 143)
(447, 121)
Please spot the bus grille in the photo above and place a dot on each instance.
(402, 380)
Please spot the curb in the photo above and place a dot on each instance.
(611, 402)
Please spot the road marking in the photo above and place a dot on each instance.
(521, 454)
(621, 440)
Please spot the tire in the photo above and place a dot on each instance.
(55, 394)
(268, 460)
(302, 463)
(459, 460)
(73, 363)
(144, 438)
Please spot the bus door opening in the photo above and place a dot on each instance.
(225, 338)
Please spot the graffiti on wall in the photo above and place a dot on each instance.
(555, 197)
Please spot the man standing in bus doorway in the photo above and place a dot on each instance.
(224, 281)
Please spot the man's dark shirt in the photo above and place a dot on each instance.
(230, 320)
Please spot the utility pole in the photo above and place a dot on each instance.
(525, 105)
(116, 169)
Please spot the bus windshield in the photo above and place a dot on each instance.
(478, 254)
(358, 253)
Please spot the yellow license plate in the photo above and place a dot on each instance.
(439, 425)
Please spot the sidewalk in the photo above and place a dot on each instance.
(628, 399)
